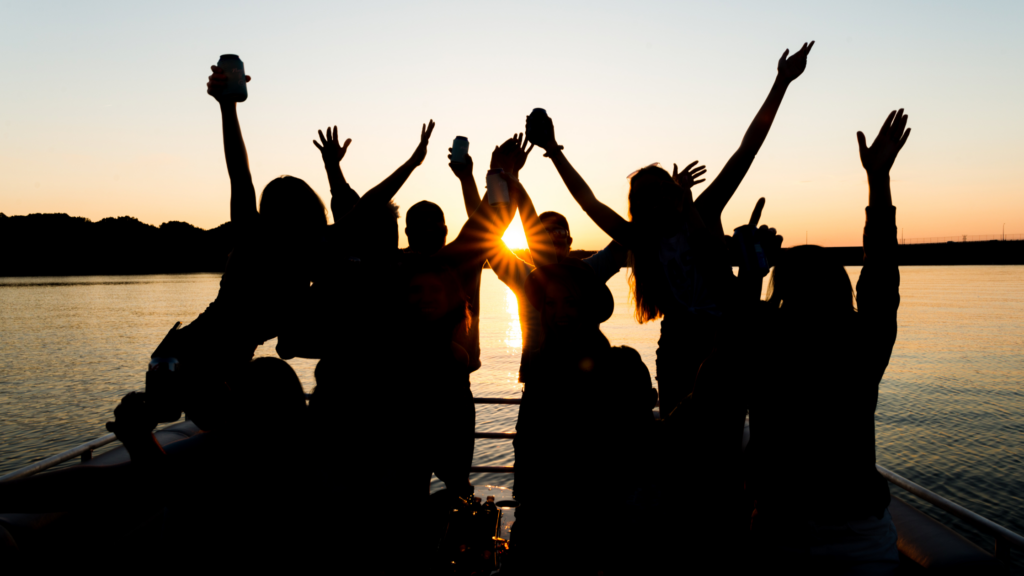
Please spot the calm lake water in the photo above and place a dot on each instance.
(949, 413)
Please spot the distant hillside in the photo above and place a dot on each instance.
(62, 245)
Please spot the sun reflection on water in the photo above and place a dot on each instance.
(514, 331)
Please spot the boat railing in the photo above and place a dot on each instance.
(1005, 539)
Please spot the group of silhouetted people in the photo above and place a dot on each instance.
(396, 332)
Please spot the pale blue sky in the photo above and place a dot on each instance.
(105, 112)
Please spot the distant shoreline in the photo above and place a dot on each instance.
(61, 245)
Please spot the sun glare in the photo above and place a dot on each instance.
(515, 237)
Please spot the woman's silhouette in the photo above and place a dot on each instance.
(668, 279)
(820, 503)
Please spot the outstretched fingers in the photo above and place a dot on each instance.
(426, 131)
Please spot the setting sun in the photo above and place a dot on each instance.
(515, 237)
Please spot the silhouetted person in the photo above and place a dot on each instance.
(266, 275)
(437, 318)
(214, 487)
(821, 506)
(586, 414)
(667, 283)
(547, 236)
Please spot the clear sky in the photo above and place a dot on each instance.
(104, 110)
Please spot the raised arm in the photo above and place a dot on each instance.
(542, 133)
(542, 249)
(878, 295)
(480, 237)
(342, 195)
(243, 193)
(464, 172)
(381, 194)
(878, 159)
(714, 198)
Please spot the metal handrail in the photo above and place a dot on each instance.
(84, 450)
(1005, 538)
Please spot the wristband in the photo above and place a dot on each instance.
(547, 154)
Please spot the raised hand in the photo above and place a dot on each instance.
(542, 132)
(421, 151)
(688, 177)
(519, 153)
(511, 155)
(329, 148)
(790, 69)
(217, 81)
(878, 159)
(462, 169)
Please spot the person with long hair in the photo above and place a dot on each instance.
(821, 505)
(269, 269)
(668, 279)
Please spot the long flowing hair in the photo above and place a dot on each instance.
(652, 203)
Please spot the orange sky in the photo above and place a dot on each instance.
(105, 111)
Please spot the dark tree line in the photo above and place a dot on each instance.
(62, 245)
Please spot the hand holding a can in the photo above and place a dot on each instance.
(463, 169)
(218, 83)
(540, 130)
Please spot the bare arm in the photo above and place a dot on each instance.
(464, 172)
(243, 193)
(542, 249)
(713, 200)
(480, 236)
(381, 194)
(542, 133)
(342, 195)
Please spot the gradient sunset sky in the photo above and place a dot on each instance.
(105, 112)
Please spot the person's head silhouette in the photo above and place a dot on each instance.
(291, 210)
(558, 228)
(654, 198)
(806, 281)
(425, 227)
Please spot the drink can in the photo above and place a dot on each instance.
(751, 253)
(231, 65)
(497, 188)
(460, 147)
(537, 121)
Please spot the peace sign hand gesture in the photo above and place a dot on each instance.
(420, 153)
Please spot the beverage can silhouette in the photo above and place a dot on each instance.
(497, 188)
(232, 65)
(460, 147)
(533, 121)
